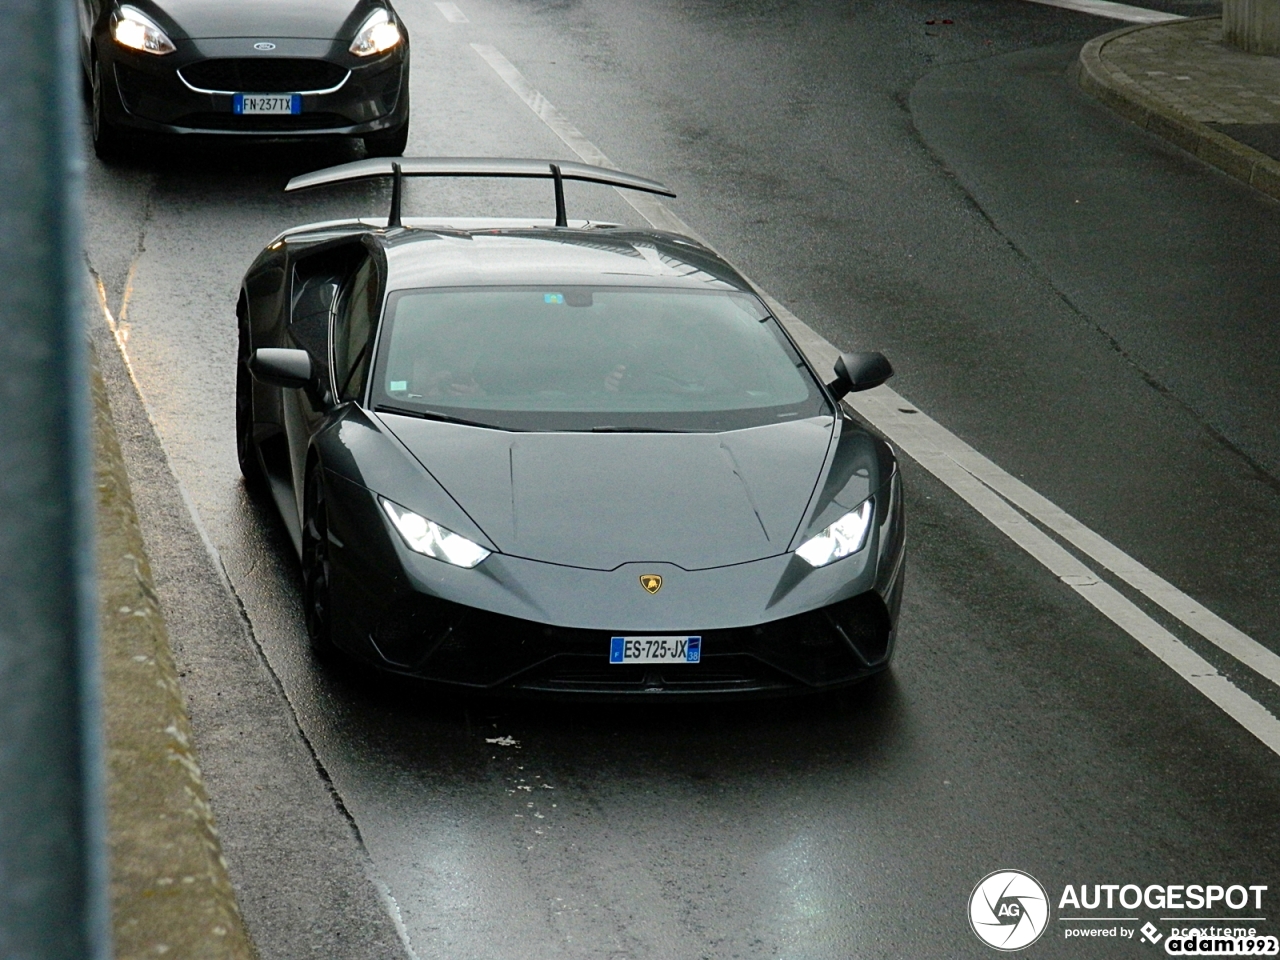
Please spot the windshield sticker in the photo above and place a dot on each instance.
(553, 298)
(398, 386)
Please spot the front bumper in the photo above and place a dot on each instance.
(445, 642)
(512, 625)
(192, 91)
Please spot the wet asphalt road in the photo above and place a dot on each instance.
(1083, 304)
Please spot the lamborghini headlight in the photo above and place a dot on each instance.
(429, 538)
(132, 28)
(846, 536)
(378, 34)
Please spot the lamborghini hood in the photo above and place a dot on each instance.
(599, 500)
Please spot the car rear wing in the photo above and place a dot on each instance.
(400, 167)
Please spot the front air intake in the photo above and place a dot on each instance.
(263, 75)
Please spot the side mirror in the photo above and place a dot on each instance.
(859, 371)
(280, 367)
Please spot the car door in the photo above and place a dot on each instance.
(333, 316)
(354, 322)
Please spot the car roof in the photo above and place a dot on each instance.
(556, 256)
(485, 252)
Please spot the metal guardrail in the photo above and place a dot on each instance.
(53, 866)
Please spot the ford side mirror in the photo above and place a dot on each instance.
(279, 367)
(859, 371)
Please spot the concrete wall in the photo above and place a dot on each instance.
(1252, 25)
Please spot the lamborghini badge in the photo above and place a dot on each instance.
(651, 582)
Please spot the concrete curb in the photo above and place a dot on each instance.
(1121, 94)
(170, 893)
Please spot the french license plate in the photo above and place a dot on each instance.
(655, 650)
(270, 103)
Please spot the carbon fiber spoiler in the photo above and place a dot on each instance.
(400, 167)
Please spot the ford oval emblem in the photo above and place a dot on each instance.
(264, 46)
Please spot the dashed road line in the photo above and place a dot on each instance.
(451, 13)
(999, 497)
(1186, 609)
(655, 212)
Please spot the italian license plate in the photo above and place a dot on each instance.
(655, 649)
(269, 103)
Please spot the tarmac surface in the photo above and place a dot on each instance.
(1082, 302)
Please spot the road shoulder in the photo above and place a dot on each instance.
(170, 892)
(299, 869)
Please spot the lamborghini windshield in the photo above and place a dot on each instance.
(601, 358)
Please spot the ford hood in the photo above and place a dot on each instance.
(263, 19)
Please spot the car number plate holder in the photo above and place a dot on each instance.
(271, 104)
(684, 649)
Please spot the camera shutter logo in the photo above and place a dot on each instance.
(1008, 910)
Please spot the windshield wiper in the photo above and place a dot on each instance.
(448, 418)
(433, 415)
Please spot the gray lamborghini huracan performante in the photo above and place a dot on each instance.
(561, 457)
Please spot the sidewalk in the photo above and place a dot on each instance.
(170, 893)
(1181, 82)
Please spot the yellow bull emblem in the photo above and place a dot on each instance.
(651, 582)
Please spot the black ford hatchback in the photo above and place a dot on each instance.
(256, 68)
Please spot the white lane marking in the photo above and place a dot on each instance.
(1115, 606)
(985, 486)
(1195, 615)
(1106, 599)
(1114, 11)
(451, 13)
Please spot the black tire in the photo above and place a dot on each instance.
(108, 142)
(255, 480)
(317, 594)
(389, 144)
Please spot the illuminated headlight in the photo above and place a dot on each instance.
(429, 538)
(132, 28)
(846, 536)
(377, 35)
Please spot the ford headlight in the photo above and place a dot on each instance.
(846, 536)
(378, 34)
(430, 539)
(132, 28)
